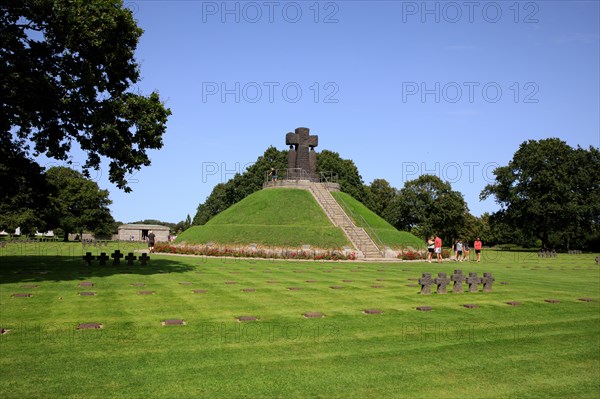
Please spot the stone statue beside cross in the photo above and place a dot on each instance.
(302, 158)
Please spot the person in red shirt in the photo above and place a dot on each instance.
(477, 246)
(438, 248)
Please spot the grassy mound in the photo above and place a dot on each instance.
(386, 234)
(277, 217)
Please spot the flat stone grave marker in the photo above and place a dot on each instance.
(348, 281)
(272, 282)
(294, 288)
(424, 308)
(246, 318)
(88, 258)
(471, 306)
(138, 285)
(29, 286)
(87, 293)
(412, 279)
(473, 280)
(552, 300)
(586, 299)
(513, 303)
(372, 311)
(173, 322)
(130, 258)
(313, 315)
(504, 282)
(89, 326)
(442, 281)
(102, 258)
(380, 279)
(86, 284)
(248, 290)
(117, 255)
(4, 331)
(230, 282)
(336, 287)
(312, 281)
(145, 292)
(377, 286)
(425, 281)
(22, 295)
(412, 285)
(199, 291)
(406, 270)
(144, 258)
(487, 281)
(185, 283)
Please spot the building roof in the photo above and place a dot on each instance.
(143, 227)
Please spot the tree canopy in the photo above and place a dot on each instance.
(76, 204)
(426, 206)
(68, 76)
(549, 191)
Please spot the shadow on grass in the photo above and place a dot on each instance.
(32, 269)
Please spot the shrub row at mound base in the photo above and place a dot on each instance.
(250, 252)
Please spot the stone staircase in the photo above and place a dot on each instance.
(357, 235)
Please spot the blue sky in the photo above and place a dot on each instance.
(401, 88)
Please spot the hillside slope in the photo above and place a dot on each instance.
(276, 217)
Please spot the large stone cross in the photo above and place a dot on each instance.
(302, 153)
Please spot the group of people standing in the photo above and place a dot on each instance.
(461, 250)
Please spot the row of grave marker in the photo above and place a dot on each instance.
(116, 256)
(458, 278)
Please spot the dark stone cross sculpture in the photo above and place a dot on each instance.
(102, 258)
(426, 282)
(474, 282)
(130, 258)
(117, 255)
(458, 277)
(442, 281)
(88, 258)
(487, 281)
(144, 259)
(302, 153)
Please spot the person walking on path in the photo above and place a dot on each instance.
(477, 246)
(151, 238)
(430, 247)
(438, 248)
(459, 251)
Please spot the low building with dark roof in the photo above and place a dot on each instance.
(139, 232)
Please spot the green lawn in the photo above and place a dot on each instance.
(384, 232)
(538, 349)
(270, 218)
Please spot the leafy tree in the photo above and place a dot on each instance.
(22, 200)
(427, 206)
(380, 196)
(77, 204)
(67, 76)
(549, 191)
(348, 177)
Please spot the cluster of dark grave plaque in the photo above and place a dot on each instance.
(458, 278)
(547, 254)
(116, 256)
